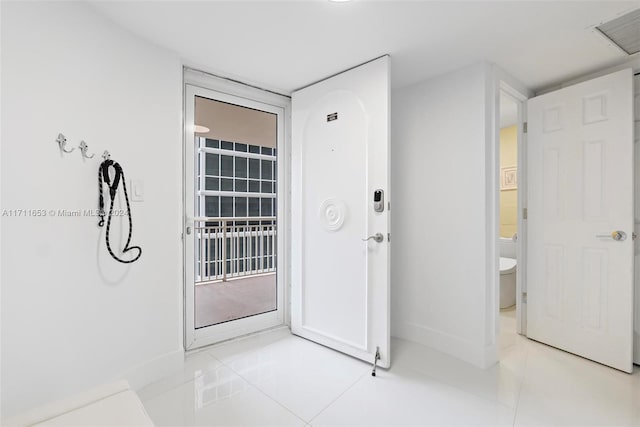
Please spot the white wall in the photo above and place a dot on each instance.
(443, 235)
(72, 317)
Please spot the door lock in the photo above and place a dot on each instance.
(378, 201)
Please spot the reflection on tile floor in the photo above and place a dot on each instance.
(278, 379)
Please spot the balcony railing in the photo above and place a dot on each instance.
(234, 247)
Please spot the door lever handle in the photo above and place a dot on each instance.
(615, 235)
(378, 237)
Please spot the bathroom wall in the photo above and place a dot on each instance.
(442, 246)
(72, 317)
(508, 198)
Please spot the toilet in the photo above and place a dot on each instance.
(507, 282)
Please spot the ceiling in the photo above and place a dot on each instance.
(230, 122)
(285, 45)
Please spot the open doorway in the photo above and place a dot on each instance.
(508, 212)
(236, 250)
(232, 235)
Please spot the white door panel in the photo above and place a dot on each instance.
(340, 283)
(580, 189)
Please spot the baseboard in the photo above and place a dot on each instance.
(154, 369)
(477, 355)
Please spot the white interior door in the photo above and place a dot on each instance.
(580, 191)
(340, 159)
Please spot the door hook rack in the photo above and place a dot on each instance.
(83, 150)
(62, 143)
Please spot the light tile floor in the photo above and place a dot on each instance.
(278, 379)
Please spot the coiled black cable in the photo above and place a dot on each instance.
(103, 175)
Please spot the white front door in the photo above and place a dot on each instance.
(580, 195)
(340, 194)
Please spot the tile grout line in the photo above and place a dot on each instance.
(524, 376)
(261, 391)
(282, 405)
(339, 396)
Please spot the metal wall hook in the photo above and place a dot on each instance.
(83, 149)
(106, 155)
(62, 143)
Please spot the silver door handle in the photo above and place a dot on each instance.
(616, 235)
(378, 237)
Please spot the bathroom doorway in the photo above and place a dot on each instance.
(510, 212)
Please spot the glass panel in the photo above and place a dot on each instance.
(254, 206)
(246, 256)
(241, 185)
(254, 168)
(254, 186)
(241, 167)
(227, 166)
(266, 208)
(241, 206)
(212, 184)
(267, 166)
(226, 184)
(226, 206)
(212, 166)
(211, 207)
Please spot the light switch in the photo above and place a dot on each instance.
(137, 190)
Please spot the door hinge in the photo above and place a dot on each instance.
(634, 236)
(525, 213)
(524, 297)
(388, 206)
(388, 237)
(525, 127)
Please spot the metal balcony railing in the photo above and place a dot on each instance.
(234, 247)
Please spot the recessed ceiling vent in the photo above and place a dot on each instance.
(624, 31)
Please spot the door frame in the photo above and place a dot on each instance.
(226, 90)
(520, 94)
(521, 256)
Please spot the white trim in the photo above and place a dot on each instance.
(227, 91)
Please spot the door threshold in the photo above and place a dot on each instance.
(239, 338)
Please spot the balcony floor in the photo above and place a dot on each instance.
(223, 301)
